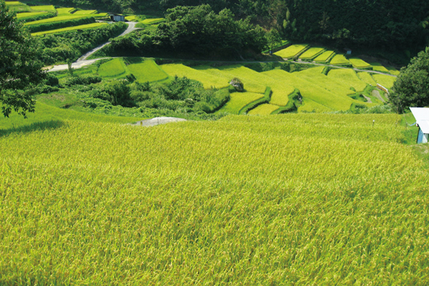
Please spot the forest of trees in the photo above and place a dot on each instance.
(391, 24)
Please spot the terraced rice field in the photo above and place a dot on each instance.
(263, 109)
(367, 78)
(85, 12)
(385, 80)
(252, 80)
(147, 71)
(340, 60)
(27, 15)
(359, 63)
(112, 68)
(348, 77)
(379, 67)
(80, 27)
(291, 51)
(324, 58)
(17, 6)
(65, 11)
(46, 8)
(209, 80)
(239, 100)
(311, 53)
(56, 19)
(153, 21)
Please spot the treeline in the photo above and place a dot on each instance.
(193, 31)
(374, 23)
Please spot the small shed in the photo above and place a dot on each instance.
(117, 18)
(421, 114)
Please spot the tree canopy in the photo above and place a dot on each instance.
(20, 65)
(412, 86)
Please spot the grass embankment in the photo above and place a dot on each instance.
(300, 198)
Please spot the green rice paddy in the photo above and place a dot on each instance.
(46, 8)
(26, 15)
(147, 71)
(348, 77)
(385, 80)
(324, 57)
(340, 60)
(239, 100)
(263, 109)
(112, 68)
(367, 78)
(17, 6)
(85, 12)
(80, 27)
(359, 63)
(291, 51)
(65, 11)
(311, 53)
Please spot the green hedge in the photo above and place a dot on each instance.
(58, 25)
(295, 100)
(253, 104)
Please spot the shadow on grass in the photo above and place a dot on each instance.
(45, 125)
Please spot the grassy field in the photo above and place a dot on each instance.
(146, 70)
(80, 27)
(304, 199)
(27, 15)
(85, 12)
(56, 19)
(263, 109)
(311, 53)
(291, 51)
(379, 67)
(113, 68)
(153, 21)
(340, 60)
(239, 100)
(323, 58)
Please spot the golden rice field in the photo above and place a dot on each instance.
(263, 109)
(238, 100)
(323, 58)
(291, 51)
(299, 199)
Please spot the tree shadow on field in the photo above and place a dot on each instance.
(45, 125)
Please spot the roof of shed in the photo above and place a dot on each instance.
(421, 114)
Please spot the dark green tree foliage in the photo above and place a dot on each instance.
(20, 64)
(412, 86)
(195, 31)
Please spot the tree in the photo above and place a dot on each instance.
(412, 85)
(20, 64)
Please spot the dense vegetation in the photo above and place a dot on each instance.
(194, 31)
(377, 23)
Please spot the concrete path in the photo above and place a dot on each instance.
(82, 61)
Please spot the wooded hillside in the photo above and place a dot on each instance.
(375, 23)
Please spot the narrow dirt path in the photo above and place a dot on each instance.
(82, 61)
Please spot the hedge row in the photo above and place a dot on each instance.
(61, 24)
(253, 104)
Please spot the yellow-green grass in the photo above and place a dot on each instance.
(379, 67)
(113, 68)
(152, 21)
(385, 80)
(26, 15)
(206, 78)
(238, 100)
(80, 27)
(309, 105)
(367, 78)
(252, 80)
(311, 88)
(85, 12)
(339, 60)
(65, 11)
(147, 71)
(263, 109)
(311, 53)
(359, 63)
(348, 77)
(246, 199)
(46, 8)
(55, 19)
(291, 51)
(132, 18)
(17, 6)
(324, 57)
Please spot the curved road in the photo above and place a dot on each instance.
(82, 61)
